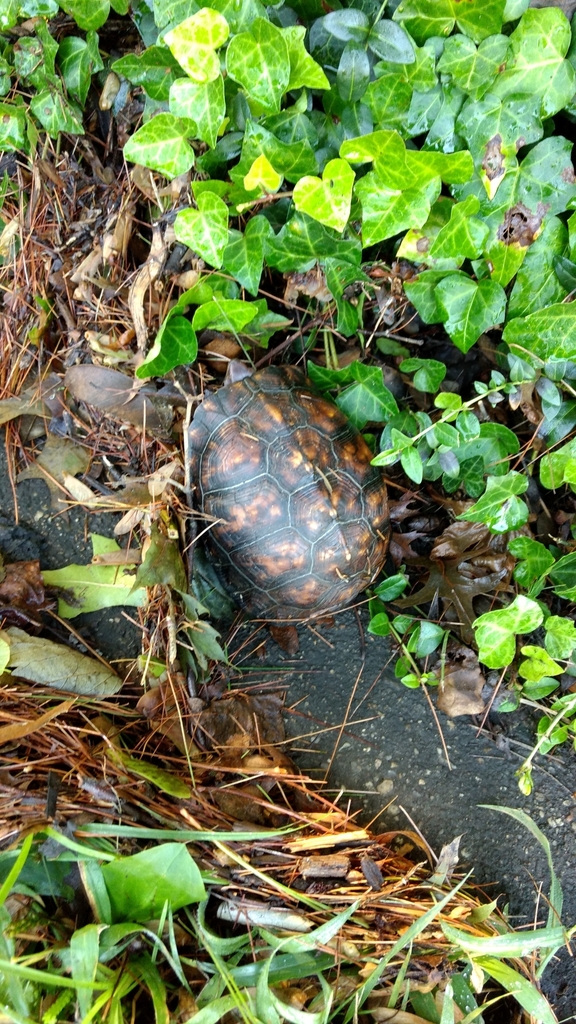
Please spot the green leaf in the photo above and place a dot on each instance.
(389, 98)
(164, 780)
(259, 61)
(538, 664)
(560, 640)
(292, 160)
(353, 75)
(206, 229)
(55, 114)
(347, 24)
(537, 285)
(536, 61)
(88, 14)
(161, 145)
(244, 253)
(78, 60)
(524, 992)
(392, 587)
(58, 667)
(304, 71)
(411, 463)
(12, 127)
(89, 588)
(328, 199)
(563, 576)
(422, 294)
(469, 307)
(202, 103)
(495, 131)
(472, 68)
(536, 560)
(162, 563)
(174, 345)
(549, 333)
(555, 464)
(139, 886)
(496, 631)
(426, 18)
(499, 508)
(303, 241)
(194, 43)
(365, 400)
(155, 69)
(386, 211)
(428, 373)
(390, 42)
(224, 315)
(464, 235)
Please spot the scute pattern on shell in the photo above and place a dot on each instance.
(301, 515)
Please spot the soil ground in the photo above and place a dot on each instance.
(389, 760)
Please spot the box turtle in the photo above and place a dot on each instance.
(300, 515)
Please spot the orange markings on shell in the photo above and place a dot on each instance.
(304, 515)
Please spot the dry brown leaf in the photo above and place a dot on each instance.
(118, 396)
(21, 592)
(145, 277)
(21, 729)
(59, 456)
(241, 721)
(461, 690)
(44, 399)
(311, 283)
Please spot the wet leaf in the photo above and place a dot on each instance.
(162, 562)
(536, 61)
(58, 667)
(89, 588)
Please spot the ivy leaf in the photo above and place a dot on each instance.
(366, 399)
(88, 14)
(494, 132)
(262, 176)
(469, 307)
(538, 663)
(292, 160)
(472, 68)
(243, 256)
(496, 631)
(536, 61)
(55, 114)
(555, 464)
(259, 61)
(390, 42)
(428, 373)
(537, 284)
(328, 199)
(499, 508)
(205, 229)
(174, 345)
(426, 18)
(302, 242)
(535, 561)
(194, 43)
(161, 145)
(202, 103)
(464, 235)
(560, 638)
(549, 333)
(386, 211)
(12, 127)
(224, 315)
(155, 70)
(422, 294)
(78, 60)
(304, 71)
(563, 576)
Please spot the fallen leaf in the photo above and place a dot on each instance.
(242, 722)
(145, 277)
(463, 681)
(89, 588)
(161, 562)
(18, 730)
(166, 781)
(21, 592)
(447, 861)
(118, 396)
(59, 456)
(311, 283)
(59, 667)
(457, 572)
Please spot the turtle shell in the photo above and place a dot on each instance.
(300, 516)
